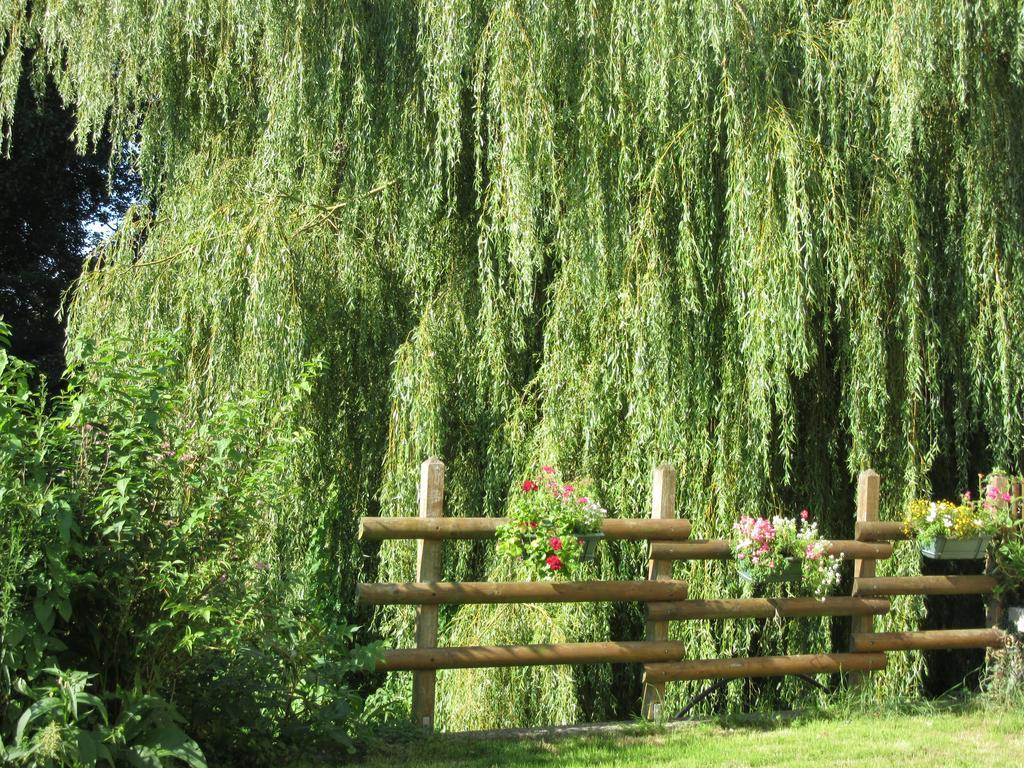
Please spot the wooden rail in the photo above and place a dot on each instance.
(928, 640)
(711, 549)
(666, 599)
(491, 592)
(470, 657)
(764, 666)
(431, 528)
(866, 584)
(765, 608)
(923, 585)
(632, 529)
(875, 530)
(718, 549)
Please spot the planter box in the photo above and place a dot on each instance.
(1015, 618)
(589, 541)
(941, 548)
(793, 572)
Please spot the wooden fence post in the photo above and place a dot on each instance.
(663, 504)
(428, 568)
(868, 495)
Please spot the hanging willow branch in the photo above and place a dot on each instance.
(770, 241)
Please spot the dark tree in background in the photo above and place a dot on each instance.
(54, 206)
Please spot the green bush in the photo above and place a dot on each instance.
(142, 576)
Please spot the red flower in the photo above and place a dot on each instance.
(554, 562)
(529, 485)
(804, 515)
(533, 523)
(556, 543)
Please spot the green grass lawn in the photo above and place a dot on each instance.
(976, 737)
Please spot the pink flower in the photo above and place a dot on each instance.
(529, 485)
(548, 470)
(554, 562)
(1006, 496)
(967, 495)
(582, 499)
(567, 489)
(555, 542)
(804, 515)
(993, 492)
(741, 555)
(811, 553)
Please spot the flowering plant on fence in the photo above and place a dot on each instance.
(764, 548)
(546, 522)
(927, 520)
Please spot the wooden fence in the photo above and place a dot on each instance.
(666, 599)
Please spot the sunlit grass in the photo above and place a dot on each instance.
(976, 736)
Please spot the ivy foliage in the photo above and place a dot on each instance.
(769, 241)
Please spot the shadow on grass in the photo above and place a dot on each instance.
(807, 734)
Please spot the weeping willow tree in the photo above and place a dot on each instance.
(769, 241)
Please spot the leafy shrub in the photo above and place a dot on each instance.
(148, 555)
(1004, 673)
(1009, 558)
(67, 725)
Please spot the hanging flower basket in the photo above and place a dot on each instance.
(553, 527)
(783, 550)
(942, 548)
(589, 542)
(588, 546)
(950, 530)
(791, 573)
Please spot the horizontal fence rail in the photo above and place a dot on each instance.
(763, 666)
(719, 549)
(766, 608)
(632, 529)
(928, 640)
(495, 592)
(666, 599)
(471, 657)
(923, 585)
(875, 530)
